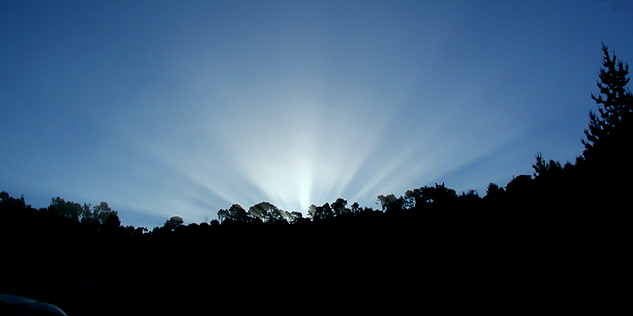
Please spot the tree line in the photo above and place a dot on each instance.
(592, 182)
(104, 259)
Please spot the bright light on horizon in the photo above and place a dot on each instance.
(248, 148)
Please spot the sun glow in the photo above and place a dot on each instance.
(297, 145)
(302, 133)
(303, 154)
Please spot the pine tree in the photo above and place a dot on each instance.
(609, 130)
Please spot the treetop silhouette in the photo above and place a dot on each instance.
(610, 128)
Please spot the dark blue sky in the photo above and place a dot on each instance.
(165, 108)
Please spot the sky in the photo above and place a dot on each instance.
(164, 108)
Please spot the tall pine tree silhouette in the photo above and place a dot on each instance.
(609, 132)
(606, 164)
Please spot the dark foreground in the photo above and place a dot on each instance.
(446, 263)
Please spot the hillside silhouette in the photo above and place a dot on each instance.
(553, 237)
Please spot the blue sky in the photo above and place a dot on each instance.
(165, 108)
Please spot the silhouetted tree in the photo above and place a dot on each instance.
(470, 195)
(98, 215)
(10, 206)
(606, 159)
(338, 207)
(296, 216)
(9, 203)
(70, 210)
(112, 223)
(174, 222)
(542, 167)
(170, 226)
(616, 106)
(131, 230)
(269, 213)
(355, 208)
(494, 191)
(389, 203)
(14, 213)
(222, 214)
(438, 194)
(236, 213)
(413, 198)
(321, 213)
